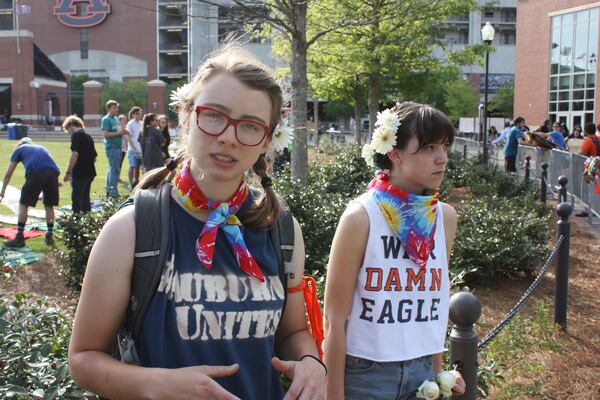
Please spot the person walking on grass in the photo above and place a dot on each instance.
(81, 170)
(41, 176)
(113, 142)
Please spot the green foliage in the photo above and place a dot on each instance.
(127, 94)
(336, 109)
(76, 87)
(502, 104)
(34, 338)
(424, 86)
(503, 229)
(79, 232)
(508, 355)
(318, 206)
(460, 99)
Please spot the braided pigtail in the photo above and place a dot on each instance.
(265, 210)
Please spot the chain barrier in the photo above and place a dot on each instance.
(509, 316)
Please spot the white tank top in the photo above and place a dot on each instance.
(398, 312)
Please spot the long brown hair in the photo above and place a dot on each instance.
(238, 62)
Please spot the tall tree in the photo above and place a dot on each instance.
(461, 99)
(502, 104)
(391, 42)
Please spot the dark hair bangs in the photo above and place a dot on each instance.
(431, 126)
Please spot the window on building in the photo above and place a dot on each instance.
(6, 5)
(83, 43)
(6, 20)
(573, 51)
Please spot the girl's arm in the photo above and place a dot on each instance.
(293, 340)
(345, 260)
(102, 305)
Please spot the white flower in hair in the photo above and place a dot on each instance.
(383, 140)
(180, 95)
(387, 119)
(282, 136)
(367, 153)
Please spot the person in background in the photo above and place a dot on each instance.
(564, 130)
(113, 143)
(81, 170)
(503, 135)
(589, 148)
(163, 127)
(41, 176)
(545, 127)
(556, 136)
(492, 132)
(123, 126)
(511, 148)
(152, 141)
(134, 151)
(577, 133)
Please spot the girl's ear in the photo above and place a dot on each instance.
(395, 156)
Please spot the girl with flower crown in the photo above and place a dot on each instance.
(217, 319)
(387, 290)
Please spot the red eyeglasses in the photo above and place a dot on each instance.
(214, 122)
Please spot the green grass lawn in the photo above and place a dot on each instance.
(61, 153)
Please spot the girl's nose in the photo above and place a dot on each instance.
(228, 135)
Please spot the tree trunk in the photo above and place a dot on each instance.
(299, 94)
(357, 114)
(374, 78)
(316, 119)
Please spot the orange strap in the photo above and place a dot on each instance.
(313, 309)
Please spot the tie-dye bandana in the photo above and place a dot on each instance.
(411, 217)
(222, 216)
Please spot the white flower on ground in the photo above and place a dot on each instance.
(367, 153)
(180, 95)
(388, 119)
(446, 381)
(282, 136)
(384, 140)
(428, 390)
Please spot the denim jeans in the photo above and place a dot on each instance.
(80, 196)
(372, 380)
(112, 177)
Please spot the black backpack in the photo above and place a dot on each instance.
(152, 235)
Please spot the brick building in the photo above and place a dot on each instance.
(556, 71)
(44, 42)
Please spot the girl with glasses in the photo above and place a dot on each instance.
(216, 327)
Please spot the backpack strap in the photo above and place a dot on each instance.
(282, 237)
(151, 242)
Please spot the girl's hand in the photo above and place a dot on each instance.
(308, 378)
(460, 385)
(195, 383)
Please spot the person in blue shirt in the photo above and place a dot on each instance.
(511, 147)
(556, 136)
(113, 143)
(41, 176)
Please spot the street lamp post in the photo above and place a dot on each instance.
(487, 34)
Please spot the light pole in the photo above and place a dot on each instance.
(487, 34)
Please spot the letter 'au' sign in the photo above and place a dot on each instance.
(90, 13)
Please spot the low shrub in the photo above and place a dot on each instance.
(34, 338)
(79, 232)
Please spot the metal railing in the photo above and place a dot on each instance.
(560, 163)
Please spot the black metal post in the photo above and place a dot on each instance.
(527, 168)
(465, 310)
(465, 152)
(562, 190)
(485, 104)
(563, 210)
(543, 187)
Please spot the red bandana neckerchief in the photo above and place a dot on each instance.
(223, 216)
(412, 218)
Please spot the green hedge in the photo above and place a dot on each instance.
(34, 338)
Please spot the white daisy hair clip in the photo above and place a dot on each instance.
(180, 95)
(282, 136)
(384, 135)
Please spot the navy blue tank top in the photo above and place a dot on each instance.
(219, 316)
